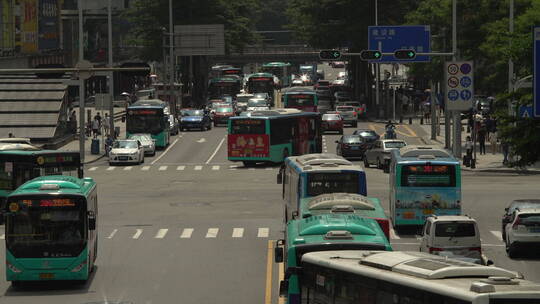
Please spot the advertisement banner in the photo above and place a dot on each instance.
(248, 145)
(48, 20)
(29, 16)
(6, 24)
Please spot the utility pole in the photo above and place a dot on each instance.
(510, 62)
(171, 58)
(433, 108)
(456, 114)
(111, 77)
(377, 67)
(82, 128)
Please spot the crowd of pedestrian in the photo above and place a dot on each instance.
(483, 128)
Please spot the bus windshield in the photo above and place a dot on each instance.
(300, 100)
(47, 227)
(321, 183)
(146, 121)
(248, 126)
(428, 176)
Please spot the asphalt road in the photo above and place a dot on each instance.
(188, 226)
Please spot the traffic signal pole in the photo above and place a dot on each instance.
(82, 128)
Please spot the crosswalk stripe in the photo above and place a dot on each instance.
(128, 168)
(145, 168)
(215, 167)
(263, 232)
(497, 234)
(93, 169)
(162, 168)
(251, 169)
(180, 168)
(269, 168)
(137, 234)
(233, 167)
(112, 234)
(161, 233)
(212, 232)
(238, 232)
(198, 168)
(111, 168)
(186, 234)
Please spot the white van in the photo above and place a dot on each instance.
(454, 237)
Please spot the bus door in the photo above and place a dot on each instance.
(301, 136)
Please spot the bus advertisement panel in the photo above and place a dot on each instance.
(419, 189)
(305, 101)
(249, 145)
(51, 236)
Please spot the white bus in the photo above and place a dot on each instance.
(374, 277)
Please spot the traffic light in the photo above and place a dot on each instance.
(405, 54)
(330, 55)
(51, 75)
(370, 55)
(136, 65)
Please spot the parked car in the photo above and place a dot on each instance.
(351, 146)
(126, 151)
(368, 134)
(520, 204)
(174, 128)
(332, 122)
(379, 153)
(349, 115)
(148, 143)
(196, 119)
(455, 236)
(222, 115)
(523, 231)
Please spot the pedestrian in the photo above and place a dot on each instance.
(505, 150)
(10, 135)
(493, 141)
(106, 124)
(95, 127)
(482, 140)
(469, 148)
(489, 127)
(98, 117)
(108, 144)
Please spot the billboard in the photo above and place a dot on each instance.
(48, 20)
(29, 26)
(6, 25)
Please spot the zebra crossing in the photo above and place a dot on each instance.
(190, 167)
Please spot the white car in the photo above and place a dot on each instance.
(257, 104)
(523, 231)
(455, 236)
(148, 143)
(126, 151)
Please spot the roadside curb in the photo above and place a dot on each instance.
(94, 160)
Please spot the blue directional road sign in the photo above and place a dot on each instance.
(466, 81)
(526, 111)
(536, 75)
(393, 38)
(453, 95)
(466, 94)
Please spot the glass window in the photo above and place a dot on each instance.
(248, 126)
(321, 183)
(345, 109)
(352, 139)
(455, 229)
(529, 219)
(146, 123)
(394, 144)
(426, 175)
(6, 178)
(281, 131)
(331, 117)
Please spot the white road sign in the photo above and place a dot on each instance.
(459, 85)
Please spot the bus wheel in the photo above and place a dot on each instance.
(285, 154)
(16, 284)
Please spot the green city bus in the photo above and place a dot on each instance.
(301, 98)
(282, 70)
(149, 116)
(271, 136)
(324, 232)
(20, 163)
(261, 83)
(226, 85)
(51, 229)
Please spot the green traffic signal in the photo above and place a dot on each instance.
(405, 54)
(371, 55)
(329, 55)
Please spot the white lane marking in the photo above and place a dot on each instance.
(3, 236)
(393, 234)
(162, 168)
(263, 232)
(212, 232)
(497, 234)
(201, 140)
(145, 168)
(112, 234)
(137, 234)
(186, 234)
(238, 232)
(111, 168)
(233, 167)
(251, 169)
(215, 151)
(180, 168)
(161, 233)
(198, 168)
(215, 167)
(269, 168)
(165, 152)
(128, 168)
(93, 169)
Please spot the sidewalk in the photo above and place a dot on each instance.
(489, 162)
(88, 156)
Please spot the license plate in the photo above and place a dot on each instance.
(45, 276)
(534, 229)
(122, 158)
(355, 148)
(428, 211)
(408, 215)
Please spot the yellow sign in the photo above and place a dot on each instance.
(13, 207)
(40, 160)
(29, 16)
